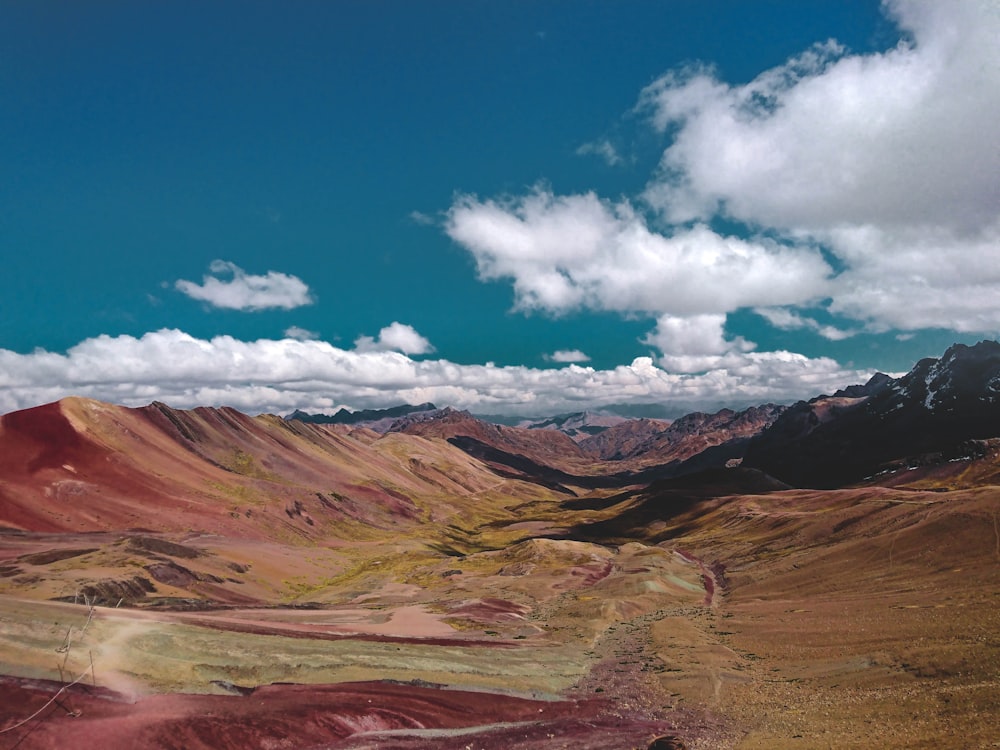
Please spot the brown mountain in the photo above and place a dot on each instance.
(623, 439)
(81, 465)
(647, 442)
(543, 448)
(207, 579)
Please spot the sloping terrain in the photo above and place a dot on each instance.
(650, 443)
(207, 579)
(852, 618)
(155, 553)
(579, 426)
(80, 465)
(928, 414)
(788, 619)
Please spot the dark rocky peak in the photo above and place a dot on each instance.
(876, 383)
(362, 417)
(962, 378)
(755, 417)
(938, 405)
(963, 374)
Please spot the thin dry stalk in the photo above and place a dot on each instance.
(48, 703)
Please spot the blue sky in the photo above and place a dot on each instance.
(512, 207)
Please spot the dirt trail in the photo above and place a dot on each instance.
(629, 676)
(709, 578)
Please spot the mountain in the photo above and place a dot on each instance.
(82, 465)
(627, 452)
(578, 425)
(203, 578)
(649, 442)
(370, 418)
(624, 439)
(934, 413)
(523, 450)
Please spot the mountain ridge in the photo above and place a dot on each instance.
(395, 585)
(835, 440)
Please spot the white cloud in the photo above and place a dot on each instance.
(890, 160)
(920, 277)
(302, 334)
(247, 291)
(395, 337)
(887, 161)
(696, 343)
(602, 148)
(565, 253)
(283, 375)
(789, 320)
(567, 355)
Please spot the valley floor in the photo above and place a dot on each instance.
(850, 619)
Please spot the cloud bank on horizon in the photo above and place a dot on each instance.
(279, 376)
(838, 193)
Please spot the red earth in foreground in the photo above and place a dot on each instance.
(354, 715)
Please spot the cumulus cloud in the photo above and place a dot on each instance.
(566, 356)
(868, 185)
(920, 277)
(243, 291)
(565, 253)
(397, 337)
(789, 320)
(282, 375)
(696, 343)
(889, 160)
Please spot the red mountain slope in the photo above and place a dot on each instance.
(546, 447)
(81, 465)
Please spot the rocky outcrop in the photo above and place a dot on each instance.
(936, 408)
(548, 448)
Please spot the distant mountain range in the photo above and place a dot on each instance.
(578, 425)
(930, 425)
(935, 413)
(375, 419)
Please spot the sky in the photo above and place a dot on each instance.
(520, 208)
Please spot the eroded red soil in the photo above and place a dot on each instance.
(358, 715)
(249, 583)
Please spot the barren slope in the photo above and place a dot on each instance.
(324, 587)
(851, 618)
(80, 465)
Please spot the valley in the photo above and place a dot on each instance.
(206, 578)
